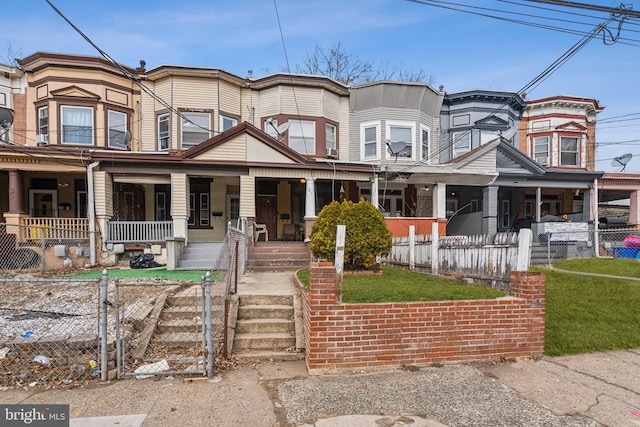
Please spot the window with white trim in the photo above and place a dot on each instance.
(302, 136)
(398, 133)
(163, 132)
(461, 142)
(43, 120)
(541, 150)
(195, 129)
(117, 123)
(569, 155)
(227, 123)
(330, 138)
(424, 143)
(77, 125)
(370, 140)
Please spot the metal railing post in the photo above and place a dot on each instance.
(207, 302)
(104, 363)
(119, 350)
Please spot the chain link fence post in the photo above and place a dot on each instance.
(207, 303)
(104, 364)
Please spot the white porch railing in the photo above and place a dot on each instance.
(139, 231)
(54, 229)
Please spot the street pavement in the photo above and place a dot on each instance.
(596, 389)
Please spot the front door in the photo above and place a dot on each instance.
(266, 213)
(128, 202)
(43, 203)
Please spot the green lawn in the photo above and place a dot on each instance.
(587, 314)
(397, 285)
(151, 273)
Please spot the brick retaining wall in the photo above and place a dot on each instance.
(386, 335)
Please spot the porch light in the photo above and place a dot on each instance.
(302, 180)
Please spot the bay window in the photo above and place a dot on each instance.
(302, 136)
(569, 151)
(117, 124)
(195, 129)
(370, 140)
(541, 150)
(163, 132)
(461, 143)
(77, 125)
(400, 136)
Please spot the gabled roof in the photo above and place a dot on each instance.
(510, 160)
(75, 92)
(492, 123)
(572, 125)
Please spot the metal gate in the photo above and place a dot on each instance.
(166, 329)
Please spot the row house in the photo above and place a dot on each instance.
(174, 153)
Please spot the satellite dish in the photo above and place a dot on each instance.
(621, 161)
(281, 129)
(6, 118)
(127, 140)
(395, 147)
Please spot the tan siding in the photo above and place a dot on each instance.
(247, 196)
(235, 149)
(259, 152)
(147, 137)
(190, 92)
(229, 99)
(179, 194)
(268, 102)
(302, 101)
(305, 173)
(343, 130)
(103, 195)
(331, 105)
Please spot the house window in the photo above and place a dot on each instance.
(163, 132)
(195, 129)
(424, 143)
(505, 214)
(569, 151)
(302, 136)
(77, 125)
(399, 133)
(370, 141)
(488, 136)
(541, 150)
(461, 143)
(227, 123)
(199, 203)
(161, 207)
(330, 142)
(117, 129)
(43, 120)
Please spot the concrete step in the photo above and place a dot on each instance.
(265, 326)
(266, 299)
(272, 341)
(265, 311)
(179, 325)
(269, 355)
(190, 312)
(191, 300)
(179, 339)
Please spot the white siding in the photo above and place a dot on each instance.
(179, 195)
(247, 199)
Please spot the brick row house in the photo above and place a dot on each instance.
(139, 157)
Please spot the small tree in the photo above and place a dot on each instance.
(366, 236)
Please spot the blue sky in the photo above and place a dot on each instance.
(461, 50)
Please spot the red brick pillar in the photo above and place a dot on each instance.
(322, 299)
(531, 287)
(324, 284)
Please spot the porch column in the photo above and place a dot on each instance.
(538, 203)
(310, 199)
(588, 210)
(490, 210)
(440, 200)
(634, 208)
(180, 204)
(16, 201)
(374, 192)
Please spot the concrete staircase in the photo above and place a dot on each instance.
(199, 256)
(278, 256)
(266, 328)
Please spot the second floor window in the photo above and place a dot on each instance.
(227, 123)
(369, 141)
(163, 132)
(117, 129)
(569, 151)
(43, 120)
(461, 143)
(541, 150)
(330, 137)
(424, 136)
(302, 136)
(400, 140)
(77, 125)
(195, 129)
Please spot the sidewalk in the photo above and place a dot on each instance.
(585, 390)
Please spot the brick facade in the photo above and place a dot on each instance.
(387, 335)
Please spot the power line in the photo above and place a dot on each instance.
(564, 3)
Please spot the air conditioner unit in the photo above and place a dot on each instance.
(42, 139)
(332, 153)
(544, 161)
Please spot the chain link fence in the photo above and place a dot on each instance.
(555, 246)
(49, 331)
(41, 245)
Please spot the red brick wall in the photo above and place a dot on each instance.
(347, 336)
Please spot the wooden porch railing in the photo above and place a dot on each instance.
(54, 229)
(139, 231)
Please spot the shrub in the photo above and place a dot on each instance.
(366, 236)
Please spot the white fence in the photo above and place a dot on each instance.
(477, 257)
(139, 231)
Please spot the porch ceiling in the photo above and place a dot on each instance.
(452, 178)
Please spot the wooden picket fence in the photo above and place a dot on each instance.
(485, 259)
